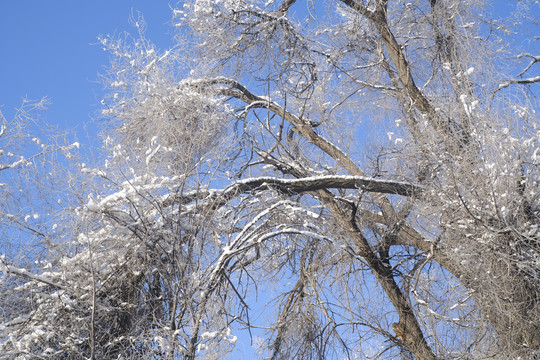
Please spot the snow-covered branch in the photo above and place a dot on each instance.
(534, 60)
(524, 81)
(24, 273)
(217, 198)
(519, 79)
(296, 186)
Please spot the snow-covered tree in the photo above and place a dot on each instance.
(333, 179)
(33, 194)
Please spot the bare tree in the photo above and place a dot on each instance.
(415, 62)
(365, 168)
(32, 196)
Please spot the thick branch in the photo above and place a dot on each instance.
(415, 341)
(326, 182)
(419, 100)
(218, 198)
(283, 8)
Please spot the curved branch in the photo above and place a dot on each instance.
(535, 59)
(301, 126)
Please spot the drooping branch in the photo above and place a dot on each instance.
(534, 60)
(218, 275)
(519, 80)
(24, 273)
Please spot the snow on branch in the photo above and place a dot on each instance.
(21, 272)
(524, 81)
(217, 198)
(518, 79)
(534, 60)
(296, 186)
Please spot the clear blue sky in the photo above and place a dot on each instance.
(48, 48)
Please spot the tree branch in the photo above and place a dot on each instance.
(301, 126)
(283, 8)
(301, 185)
(525, 81)
(535, 59)
(217, 198)
(20, 272)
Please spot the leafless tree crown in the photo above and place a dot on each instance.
(311, 179)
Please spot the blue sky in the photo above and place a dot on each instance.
(49, 49)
